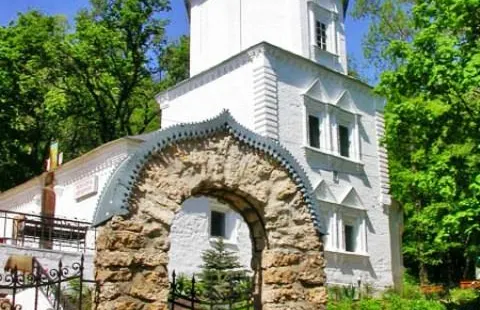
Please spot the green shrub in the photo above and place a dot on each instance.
(389, 301)
(396, 302)
(460, 296)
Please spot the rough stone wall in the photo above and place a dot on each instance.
(132, 252)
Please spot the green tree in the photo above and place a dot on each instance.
(83, 86)
(110, 67)
(175, 62)
(31, 110)
(433, 139)
(389, 20)
(219, 268)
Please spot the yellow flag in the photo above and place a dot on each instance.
(53, 156)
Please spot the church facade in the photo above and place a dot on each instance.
(280, 68)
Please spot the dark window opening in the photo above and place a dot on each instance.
(314, 131)
(321, 35)
(217, 224)
(349, 238)
(344, 141)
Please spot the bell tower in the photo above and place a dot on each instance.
(313, 29)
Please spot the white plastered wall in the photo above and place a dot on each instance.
(190, 235)
(293, 77)
(342, 267)
(220, 29)
(232, 91)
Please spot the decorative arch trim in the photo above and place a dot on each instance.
(115, 196)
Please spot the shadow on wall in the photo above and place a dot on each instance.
(356, 266)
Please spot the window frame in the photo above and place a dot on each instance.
(319, 15)
(223, 227)
(337, 217)
(318, 143)
(313, 108)
(330, 118)
(349, 120)
(350, 237)
(342, 150)
(321, 35)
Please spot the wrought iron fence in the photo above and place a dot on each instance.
(55, 285)
(29, 230)
(191, 294)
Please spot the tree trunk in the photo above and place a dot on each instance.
(466, 269)
(423, 273)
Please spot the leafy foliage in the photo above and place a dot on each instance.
(433, 138)
(82, 86)
(74, 296)
(460, 296)
(389, 20)
(30, 107)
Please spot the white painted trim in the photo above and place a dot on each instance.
(247, 56)
(334, 155)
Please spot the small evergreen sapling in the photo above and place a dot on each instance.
(221, 271)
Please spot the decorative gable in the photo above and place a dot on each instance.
(346, 102)
(352, 199)
(323, 192)
(317, 91)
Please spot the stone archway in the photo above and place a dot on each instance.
(132, 247)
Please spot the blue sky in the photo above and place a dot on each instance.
(178, 20)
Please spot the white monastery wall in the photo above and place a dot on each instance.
(220, 29)
(190, 235)
(350, 190)
(78, 185)
(198, 99)
(372, 264)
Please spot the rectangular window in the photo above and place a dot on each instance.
(314, 131)
(344, 140)
(321, 35)
(217, 224)
(350, 238)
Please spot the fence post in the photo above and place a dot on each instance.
(81, 283)
(5, 227)
(59, 286)
(172, 291)
(36, 278)
(14, 279)
(192, 292)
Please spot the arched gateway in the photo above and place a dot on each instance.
(219, 158)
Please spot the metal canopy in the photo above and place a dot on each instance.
(115, 196)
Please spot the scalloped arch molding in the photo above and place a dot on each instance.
(114, 198)
(256, 176)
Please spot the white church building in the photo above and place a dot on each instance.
(280, 68)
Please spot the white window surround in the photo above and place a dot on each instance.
(231, 224)
(330, 117)
(320, 14)
(338, 216)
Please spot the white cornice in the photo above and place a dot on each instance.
(247, 56)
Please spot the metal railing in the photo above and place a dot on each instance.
(189, 294)
(36, 231)
(56, 285)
